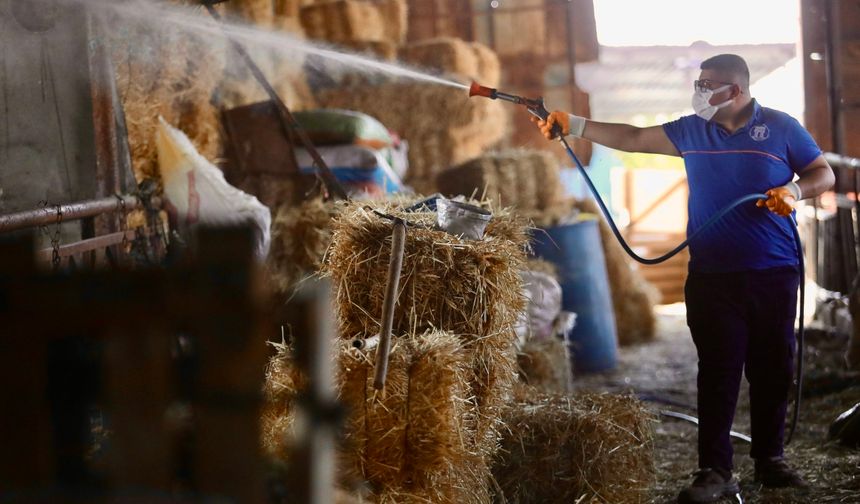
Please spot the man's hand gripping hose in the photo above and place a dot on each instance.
(779, 200)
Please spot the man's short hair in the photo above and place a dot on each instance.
(729, 64)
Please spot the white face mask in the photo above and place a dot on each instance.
(702, 102)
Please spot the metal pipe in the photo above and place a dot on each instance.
(840, 161)
(395, 265)
(288, 121)
(70, 211)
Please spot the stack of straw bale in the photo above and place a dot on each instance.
(348, 21)
(470, 288)
(163, 71)
(300, 237)
(285, 74)
(632, 296)
(592, 448)
(257, 12)
(523, 178)
(411, 443)
(451, 55)
(442, 125)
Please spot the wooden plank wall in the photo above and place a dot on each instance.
(831, 62)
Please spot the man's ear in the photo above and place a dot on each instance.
(736, 91)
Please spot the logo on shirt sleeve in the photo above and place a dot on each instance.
(760, 132)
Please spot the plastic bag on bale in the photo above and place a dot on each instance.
(543, 293)
(196, 192)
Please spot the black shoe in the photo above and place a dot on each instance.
(709, 486)
(776, 473)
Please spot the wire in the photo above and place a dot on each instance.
(714, 218)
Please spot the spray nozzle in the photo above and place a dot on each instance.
(479, 90)
(535, 106)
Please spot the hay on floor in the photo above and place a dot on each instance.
(529, 180)
(300, 237)
(592, 448)
(632, 296)
(442, 125)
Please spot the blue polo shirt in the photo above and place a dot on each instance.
(722, 167)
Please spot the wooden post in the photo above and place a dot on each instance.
(25, 458)
(231, 352)
(395, 265)
(309, 316)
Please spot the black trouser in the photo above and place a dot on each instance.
(742, 322)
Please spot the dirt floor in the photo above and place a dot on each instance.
(666, 370)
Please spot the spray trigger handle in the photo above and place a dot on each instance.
(537, 108)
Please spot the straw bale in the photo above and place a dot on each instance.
(395, 18)
(283, 382)
(201, 121)
(287, 8)
(542, 266)
(413, 438)
(526, 179)
(383, 50)
(592, 448)
(258, 12)
(162, 71)
(545, 364)
(300, 237)
(632, 296)
(489, 67)
(471, 288)
(343, 21)
(442, 126)
(442, 54)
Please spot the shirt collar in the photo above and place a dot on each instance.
(756, 115)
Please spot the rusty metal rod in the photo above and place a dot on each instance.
(288, 121)
(395, 265)
(70, 211)
(88, 245)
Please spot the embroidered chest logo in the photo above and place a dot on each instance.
(759, 133)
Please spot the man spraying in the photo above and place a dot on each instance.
(741, 292)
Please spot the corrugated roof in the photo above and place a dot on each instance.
(627, 81)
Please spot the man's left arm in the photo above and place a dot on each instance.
(814, 179)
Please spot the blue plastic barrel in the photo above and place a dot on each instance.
(577, 252)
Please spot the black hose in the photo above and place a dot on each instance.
(719, 215)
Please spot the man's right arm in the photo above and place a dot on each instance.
(625, 137)
(629, 138)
